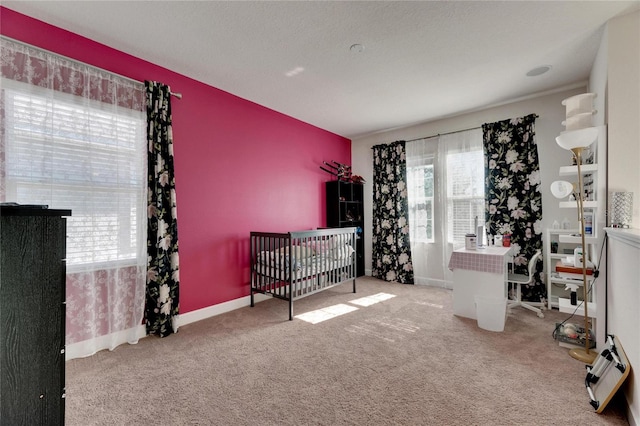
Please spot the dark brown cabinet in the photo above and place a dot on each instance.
(32, 315)
(345, 209)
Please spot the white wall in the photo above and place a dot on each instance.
(617, 71)
(623, 108)
(624, 297)
(550, 112)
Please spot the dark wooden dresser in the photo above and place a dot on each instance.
(32, 315)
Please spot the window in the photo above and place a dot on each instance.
(445, 180)
(420, 180)
(445, 188)
(71, 153)
(465, 193)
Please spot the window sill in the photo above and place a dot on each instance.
(103, 266)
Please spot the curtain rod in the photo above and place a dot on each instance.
(447, 133)
(458, 131)
(66, 58)
(450, 133)
(433, 136)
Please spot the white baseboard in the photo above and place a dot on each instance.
(220, 308)
(424, 281)
(110, 341)
(433, 283)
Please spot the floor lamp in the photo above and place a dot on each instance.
(575, 141)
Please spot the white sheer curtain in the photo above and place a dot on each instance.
(457, 197)
(73, 137)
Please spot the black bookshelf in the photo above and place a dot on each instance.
(345, 209)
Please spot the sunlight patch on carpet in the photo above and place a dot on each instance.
(327, 313)
(367, 330)
(395, 324)
(385, 328)
(373, 299)
(433, 305)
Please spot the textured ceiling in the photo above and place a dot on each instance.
(422, 60)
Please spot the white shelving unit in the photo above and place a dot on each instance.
(557, 296)
(579, 124)
(569, 239)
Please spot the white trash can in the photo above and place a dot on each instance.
(491, 313)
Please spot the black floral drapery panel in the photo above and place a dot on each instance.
(391, 252)
(163, 280)
(513, 192)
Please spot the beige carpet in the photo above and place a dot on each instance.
(403, 361)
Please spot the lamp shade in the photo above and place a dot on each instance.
(561, 188)
(580, 138)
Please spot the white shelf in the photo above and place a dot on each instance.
(570, 345)
(577, 239)
(555, 285)
(561, 231)
(576, 281)
(567, 239)
(564, 305)
(573, 170)
(574, 204)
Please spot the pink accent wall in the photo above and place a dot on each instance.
(240, 167)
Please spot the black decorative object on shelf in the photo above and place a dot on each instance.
(339, 170)
(345, 209)
(357, 179)
(342, 172)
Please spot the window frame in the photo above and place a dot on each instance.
(429, 201)
(133, 253)
(473, 199)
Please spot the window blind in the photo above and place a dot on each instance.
(421, 191)
(74, 154)
(465, 192)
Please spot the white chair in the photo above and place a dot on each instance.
(519, 280)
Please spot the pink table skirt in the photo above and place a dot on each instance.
(489, 259)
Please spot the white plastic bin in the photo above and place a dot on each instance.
(578, 104)
(579, 121)
(491, 313)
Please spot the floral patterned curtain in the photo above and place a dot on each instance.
(513, 197)
(40, 68)
(391, 252)
(163, 280)
(61, 122)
